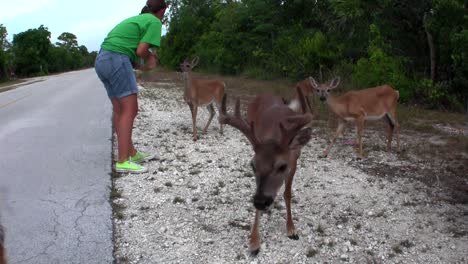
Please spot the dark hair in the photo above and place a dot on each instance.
(153, 6)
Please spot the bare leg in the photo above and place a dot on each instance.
(2, 247)
(254, 246)
(124, 112)
(212, 114)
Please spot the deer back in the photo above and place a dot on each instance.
(374, 101)
(207, 91)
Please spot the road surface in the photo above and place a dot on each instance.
(55, 164)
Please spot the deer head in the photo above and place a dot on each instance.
(276, 146)
(187, 66)
(323, 90)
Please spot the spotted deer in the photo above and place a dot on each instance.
(277, 135)
(358, 106)
(199, 93)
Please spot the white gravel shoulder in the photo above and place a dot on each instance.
(194, 204)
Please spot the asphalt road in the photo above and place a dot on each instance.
(55, 164)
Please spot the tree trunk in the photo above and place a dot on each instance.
(432, 50)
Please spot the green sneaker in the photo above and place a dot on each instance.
(141, 157)
(130, 167)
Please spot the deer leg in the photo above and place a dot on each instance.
(287, 198)
(389, 134)
(212, 113)
(397, 130)
(359, 128)
(194, 109)
(338, 131)
(389, 137)
(254, 246)
(220, 124)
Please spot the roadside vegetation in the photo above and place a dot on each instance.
(31, 54)
(419, 47)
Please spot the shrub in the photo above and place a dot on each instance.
(382, 68)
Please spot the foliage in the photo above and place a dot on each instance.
(4, 55)
(382, 68)
(366, 42)
(31, 53)
(30, 49)
(374, 42)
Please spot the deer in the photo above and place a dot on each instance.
(276, 134)
(307, 91)
(358, 106)
(199, 93)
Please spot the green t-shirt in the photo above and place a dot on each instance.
(125, 37)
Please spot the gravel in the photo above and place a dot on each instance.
(194, 204)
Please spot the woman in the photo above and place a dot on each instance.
(129, 41)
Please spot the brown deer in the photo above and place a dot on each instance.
(307, 91)
(277, 135)
(368, 104)
(199, 93)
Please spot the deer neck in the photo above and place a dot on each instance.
(187, 82)
(336, 106)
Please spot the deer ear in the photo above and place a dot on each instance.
(301, 139)
(195, 61)
(313, 82)
(334, 83)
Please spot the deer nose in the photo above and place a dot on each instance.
(261, 202)
(322, 98)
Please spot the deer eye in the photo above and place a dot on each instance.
(328, 90)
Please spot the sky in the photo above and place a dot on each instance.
(89, 20)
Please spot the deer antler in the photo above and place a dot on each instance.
(238, 122)
(195, 61)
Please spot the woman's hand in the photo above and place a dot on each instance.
(151, 62)
(151, 58)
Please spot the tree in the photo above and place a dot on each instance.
(68, 41)
(30, 49)
(4, 46)
(417, 45)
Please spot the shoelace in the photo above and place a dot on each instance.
(133, 163)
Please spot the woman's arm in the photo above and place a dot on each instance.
(149, 57)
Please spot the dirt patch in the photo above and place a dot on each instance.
(194, 204)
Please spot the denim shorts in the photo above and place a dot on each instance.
(116, 73)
